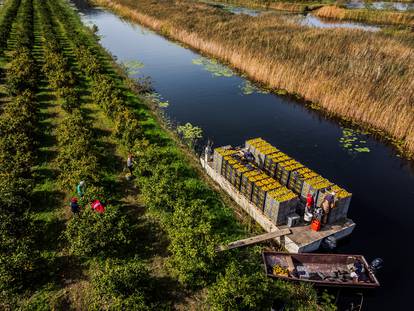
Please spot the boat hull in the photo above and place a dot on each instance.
(329, 270)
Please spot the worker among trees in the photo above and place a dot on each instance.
(80, 189)
(327, 204)
(74, 206)
(130, 163)
(97, 206)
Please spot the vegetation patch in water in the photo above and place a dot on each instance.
(213, 66)
(249, 88)
(157, 98)
(353, 141)
(132, 67)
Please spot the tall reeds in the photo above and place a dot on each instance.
(360, 76)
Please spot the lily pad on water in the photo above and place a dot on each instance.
(353, 141)
(249, 88)
(157, 98)
(211, 65)
(132, 67)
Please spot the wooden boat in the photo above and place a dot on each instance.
(321, 269)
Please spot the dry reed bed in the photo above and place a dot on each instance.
(367, 16)
(359, 76)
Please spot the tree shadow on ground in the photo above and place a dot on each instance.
(45, 200)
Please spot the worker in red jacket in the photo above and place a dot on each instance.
(308, 209)
(97, 206)
(309, 202)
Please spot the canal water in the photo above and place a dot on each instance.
(230, 110)
(380, 5)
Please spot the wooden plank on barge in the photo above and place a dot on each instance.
(253, 240)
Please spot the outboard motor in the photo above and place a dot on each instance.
(376, 264)
(329, 243)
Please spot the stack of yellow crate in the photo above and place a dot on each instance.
(260, 190)
(227, 169)
(298, 177)
(341, 205)
(315, 185)
(239, 170)
(286, 168)
(279, 204)
(219, 154)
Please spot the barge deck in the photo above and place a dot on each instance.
(302, 239)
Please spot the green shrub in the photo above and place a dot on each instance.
(244, 286)
(239, 289)
(127, 128)
(69, 98)
(94, 234)
(77, 159)
(18, 257)
(123, 285)
(192, 242)
(21, 73)
(106, 95)
(7, 21)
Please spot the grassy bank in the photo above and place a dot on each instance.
(380, 17)
(358, 76)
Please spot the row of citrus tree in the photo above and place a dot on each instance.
(19, 260)
(6, 22)
(101, 240)
(56, 66)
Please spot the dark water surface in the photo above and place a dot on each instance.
(229, 111)
(380, 5)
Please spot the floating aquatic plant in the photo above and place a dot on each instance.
(353, 141)
(157, 98)
(213, 66)
(249, 88)
(132, 67)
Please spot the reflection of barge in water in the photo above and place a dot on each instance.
(272, 190)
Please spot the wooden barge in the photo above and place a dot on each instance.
(272, 188)
(321, 269)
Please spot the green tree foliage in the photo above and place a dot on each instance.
(19, 259)
(127, 128)
(95, 234)
(56, 67)
(7, 22)
(21, 75)
(238, 289)
(77, 159)
(190, 133)
(192, 242)
(125, 284)
(106, 95)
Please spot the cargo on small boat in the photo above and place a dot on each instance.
(321, 269)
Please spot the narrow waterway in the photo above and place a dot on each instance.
(229, 110)
(302, 19)
(380, 5)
